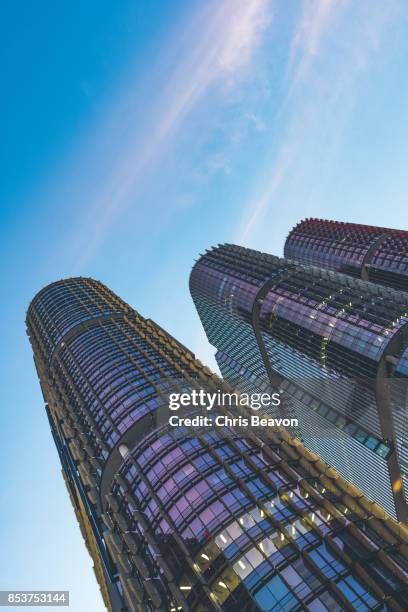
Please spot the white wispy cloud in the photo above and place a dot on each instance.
(247, 20)
(218, 45)
(330, 51)
(315, 22)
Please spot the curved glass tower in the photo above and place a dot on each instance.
(214, 519)
(377, 254)
(336, 345)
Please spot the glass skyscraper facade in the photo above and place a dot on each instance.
(215, 519)
(335, 345)
(377, 254)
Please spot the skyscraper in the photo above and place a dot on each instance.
(377, 254)
(336, 346)
(213, 519)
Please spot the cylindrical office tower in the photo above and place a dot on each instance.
(205, 519)
(377, 254)
(331, 342)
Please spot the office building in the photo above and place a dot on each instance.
(377, 254)
(206, 520)
(335, 345)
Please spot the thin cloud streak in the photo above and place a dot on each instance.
(317, 109)
(258, 207)
(314, 25)
(216, 60)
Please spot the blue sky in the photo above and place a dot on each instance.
(137, 134)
